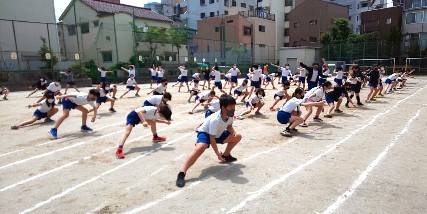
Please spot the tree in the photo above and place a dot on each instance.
(340, 30)
(152, 36)
(393, 39)
(414, 49)
(44, 49)
(239, 51)
(326, 38)
(177, 38)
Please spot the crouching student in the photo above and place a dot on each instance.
(241, 89)
(337, 95)
(201, 98)
(147, 116)
(290, 112)
(161, 88)
(217, 129)
(254, 102)
(103, 89)
(158, 100)
(315, 95)
(45, 109)
(76, 101)
(281, 94)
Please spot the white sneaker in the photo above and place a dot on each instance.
(303, 124)
(239, 117)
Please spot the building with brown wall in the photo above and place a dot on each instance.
(381, 20)
(310, 19)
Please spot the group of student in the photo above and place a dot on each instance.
(217, 127)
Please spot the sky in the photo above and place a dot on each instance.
(60, 5)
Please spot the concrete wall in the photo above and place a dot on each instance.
(307, 55)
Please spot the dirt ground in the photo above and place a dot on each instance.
(365, 160)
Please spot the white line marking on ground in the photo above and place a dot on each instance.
(340, 200)
(71, 189)
(313, 160)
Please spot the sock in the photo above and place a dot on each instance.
(358, 99)
(155, 135)
(120, 146)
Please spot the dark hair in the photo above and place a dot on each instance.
(196, 81)
(255, 66)
(347, 84)
(103, 85)
(339, 68)
(165, 111)
(216, 68)
(50, 96)
(212, 93)
(287, 64)
(103, 68)
(245, 81)
(226, 100)
(163, 80)
(58, 80)
(94, 92)
(167, 95)
(327, 84)
(315, 63)
(287, 83)
(297, 91)
(261, 91)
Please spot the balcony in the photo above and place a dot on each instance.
(259, 14)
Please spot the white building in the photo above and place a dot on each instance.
(165, 7)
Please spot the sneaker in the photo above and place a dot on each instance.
(190, 112)
(86, 129)
(303, 124)
(5, 98)
(239, 117)
(360, 104)
(229, 158)
(112, 110)
(346, 105)
(119, 153)
(48, 120)
(294, 130)
(14, 127)
(373, 99)
(317, 119)
(258, 113)
(180, 180)
(286, 133)
(115, 98)
(53, 132)
(137, 95)
(328, 116)
(242, 100)
(158, 139)
(338, 110)
(367, 101)
(189, 101)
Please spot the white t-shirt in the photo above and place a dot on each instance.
(196, 75)
(291, 105)
(280, 92)
(81, 99)
(153, 72)
(214, 125)
(241, 87)
(102, 93)
(326, 72)
(302, 72)
(256, 75)
(285, 72)
(130, 82)
(103, 73)
(43, 107)
(160, 88)
(263, 76)
(149, 112)
(53, 87)
(339, 74)
(131, 71)
(318, 92)
(205, 95)
(155, 99)
(392, 77)
(160, 73)
(314, 76)
(217, 75)
(254, 99)
(214, 106)
(183, 72)
(228, 75)
(234, 72)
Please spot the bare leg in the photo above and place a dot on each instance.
(231, 141)
(65, 114)
(35, 90)
(32, 120)
(193, 156)
(84, 114)
(125, 135)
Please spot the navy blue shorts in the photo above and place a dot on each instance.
(146, 103)
(212, 77)
(206, 77)
(67, 104)
(268, 79)
(103, 79)
(237, 92)
(255, 84)
(156, 93)
(338, 81)
(203, 137)
(39, 114)
(329, 99)
(71, 83)
(226, 79)
(133, 119)
(281, 97)
(159, 79)
(283, 117)
(131, 88)
(322, 80)
(208, 113)
(284, 79)
(388, 81)
(101, 99)
(311, 85)
(153, 77)
(301, 79)
(194, 92)
(253, 104)
(201, 100)
(373, 84)
(183, 79)
(234, 79)
(218, 84)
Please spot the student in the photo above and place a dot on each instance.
(54, 88)
(339, 76)
(374, 79)
(153, 71)
(194, 90)
(161, 88)
(281, 94)
(255, 79)
(325, 72)
(356, 84)
(45, 109)
(4, 91)
(160, 74)
(254, 102)
(313, 73)
(234, 71)
(158, 100)
(178, 81)
(41, 84)
(195, 76)
(103, 74)
(113, 89)
(315, 95)
(404, 78)
(290, 112)
(76, 101)
(131, 71)
(206, 77)
(270, 79)
(131, 85)
(147, 116)
(217, 129)
(103, 89)
(217, 82)
(391, 82)
(227, 80)
(70, 81)
(201, 98)
(241, 89)
(286, 72)
(336, 95)
(301, 78)
(184, 77)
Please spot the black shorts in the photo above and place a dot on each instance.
(42, 87)
(356, 88)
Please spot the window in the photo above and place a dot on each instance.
(84, 28)
(230, 21)
(216, 29)
(388, 21)
(107, 56)
(169, 56)
(95, 23)
(286, 17)
(313, 39)
(211, 1)
(286, 44)
(261, 28)
(261, 45)
(288, 3)
(202, 15)
(287, 31)
(357, 18)
(425, 17)
(297, 25)
(365, 5)
(243, 5)
(71, 30)
(251, 7)
(412, 18)
(212, 14)
(233, 3)
(226, 3)
(226, 12)
(217, 13)
(247, 31)
(313, 22)
(202, 2)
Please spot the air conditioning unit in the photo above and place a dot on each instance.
(108, 38)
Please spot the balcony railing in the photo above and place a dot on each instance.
(259, 14)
